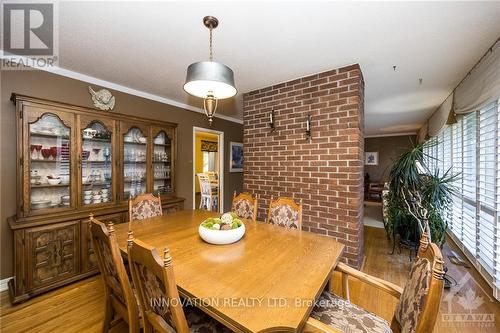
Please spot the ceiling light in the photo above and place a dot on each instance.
(210, 80)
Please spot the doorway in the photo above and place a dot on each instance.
(208, 158)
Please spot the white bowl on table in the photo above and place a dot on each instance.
(221, 237)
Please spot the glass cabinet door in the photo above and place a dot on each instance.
(134, 162)
(162, 163)
(96, 158)
(49, 163)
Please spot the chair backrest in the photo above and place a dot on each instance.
(144, 206)
(418, 306)
(212, 175)
(205, 185)
(117, 286)
(285, 213)
(156, 289)
(245, 206)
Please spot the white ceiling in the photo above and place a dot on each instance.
(147, 46)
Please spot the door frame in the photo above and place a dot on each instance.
(221, 164)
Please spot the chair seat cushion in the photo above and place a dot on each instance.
(199, 322)
(335, 311)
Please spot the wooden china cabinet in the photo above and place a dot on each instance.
(74, 161)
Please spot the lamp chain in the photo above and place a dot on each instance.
(211, 53)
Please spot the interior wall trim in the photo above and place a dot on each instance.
(4, 284)
(114, 86)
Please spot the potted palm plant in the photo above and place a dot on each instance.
(418, 198)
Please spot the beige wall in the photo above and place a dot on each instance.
(61, 89)
(388, 148)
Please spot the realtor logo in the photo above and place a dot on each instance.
(29, 34)
(28, 28)
(465, 307)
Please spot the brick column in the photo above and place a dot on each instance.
(326, 173)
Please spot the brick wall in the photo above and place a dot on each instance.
(326, 173)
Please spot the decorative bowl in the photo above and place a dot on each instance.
(39, 204)
(221, 237)
(87, 202)
(54, 181)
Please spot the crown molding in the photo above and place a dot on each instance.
(118, 87)
(389, 134)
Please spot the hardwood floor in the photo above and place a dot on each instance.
(79, 307)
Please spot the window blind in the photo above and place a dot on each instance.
(471, 148)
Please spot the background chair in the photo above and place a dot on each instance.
(209, 192)
(245, 206)
(285, 213)
(118, 292)
(144, 206)
(158, 296)
(416, 311)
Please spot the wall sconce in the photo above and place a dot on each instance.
(308, 127)
(271, 121)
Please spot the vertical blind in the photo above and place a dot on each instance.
(470, 148)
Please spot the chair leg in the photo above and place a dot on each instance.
(108, 316)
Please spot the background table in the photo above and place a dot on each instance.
(267, 281)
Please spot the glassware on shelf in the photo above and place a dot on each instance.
(135, 156)
(49, 182)
(161, 159)
(96, 164)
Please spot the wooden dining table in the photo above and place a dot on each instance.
(266, 282)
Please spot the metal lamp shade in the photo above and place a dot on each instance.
(207, 77)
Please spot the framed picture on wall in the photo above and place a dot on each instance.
(371, 158)
(236, 157)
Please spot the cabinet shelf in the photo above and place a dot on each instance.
(163, 144)
(49, 186)
(130, 180)
(97, 184)
(97, 140)
(133, 162)
(91, 161)
(51, 161)
(162, 178)
(47, 135)
(164, 162)
(135, 143)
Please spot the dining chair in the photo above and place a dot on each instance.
(245, 206)
(285, 213)
(158, 296)
(209, 193)
(417, 308)
(119, 296)
(144, 206)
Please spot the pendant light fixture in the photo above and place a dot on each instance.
(210, 80)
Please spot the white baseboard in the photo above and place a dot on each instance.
(4, 284)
